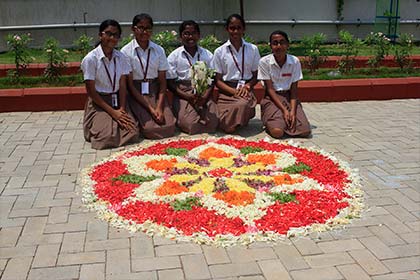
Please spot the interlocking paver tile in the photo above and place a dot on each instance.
(306, 246)
(411, 237)
(327, 273)
(17, 268)
(386, 235)
(353, 272)
(96, 230)
(94, 271)
(81, 258)
(46, 255)
(403, 264)
(234, 269)
(332, 259)
(18, 251)
(340, 245)
(117, 262)
(111, 244)
(155, 263)
(73, 242)
(9, 236)
(411, 275)
(368, 262)
(171, 274)
(290, 257)
(142, 247)
(146, 275)
(58, 215)
(378, 248)
(195, 267)
(56, 273)
(178, 249)
(215, 255)
(407, 250)
(273, 269)
(40, 239)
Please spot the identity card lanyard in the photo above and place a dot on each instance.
(144, 83)
(241, 82)
(189, 61)
(114, 97)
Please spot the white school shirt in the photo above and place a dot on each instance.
(157, 60)
(179, 67)
(282, 77)
(93, 69)
(224, 64)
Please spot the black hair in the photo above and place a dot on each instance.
(141, 17)
(104, 25)
(237, 16)
(185, 23)
(279, 32)
(109, 22)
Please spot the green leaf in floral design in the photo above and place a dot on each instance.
(176, 151)
(134, 179)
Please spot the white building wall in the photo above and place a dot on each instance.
(44, 12)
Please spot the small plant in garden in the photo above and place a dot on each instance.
(18, 45)
(83, 45)
(210, 42)
(125, 40)
(351, 47)
(264, 49)
(168, 40)
(381, 45)
(314, 55)
(56, 59)
(402, 51)
(249, 39)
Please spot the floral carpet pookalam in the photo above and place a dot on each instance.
(223, 191)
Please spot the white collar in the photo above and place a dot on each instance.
(273, 60)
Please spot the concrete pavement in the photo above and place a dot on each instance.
(46, 233)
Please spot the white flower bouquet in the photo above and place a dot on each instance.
(201, 77)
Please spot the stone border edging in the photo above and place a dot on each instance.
(74, 98)
(37, 69)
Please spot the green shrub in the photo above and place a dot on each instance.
(381, 46)
(314, 55)
(56, 59)
(18, 45)
(210, 42)
(168, 40)
(351, 47)
(403, 50)
(83, 45)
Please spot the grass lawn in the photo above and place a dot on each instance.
(295, 49)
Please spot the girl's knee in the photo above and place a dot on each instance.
(229, 130)
(275, 132)
(306, 133)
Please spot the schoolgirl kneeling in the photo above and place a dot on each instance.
(281, 111)
(107, 122)
(196, 113)
(147, 81)
(236, 65)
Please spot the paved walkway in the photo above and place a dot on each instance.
(46, 234)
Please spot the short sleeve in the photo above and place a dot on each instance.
(256, 60)
(163, 62)
(216, 62)
(297, 73)
(126, 66)
(263, 70)
(88, 67)
(171, 73)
